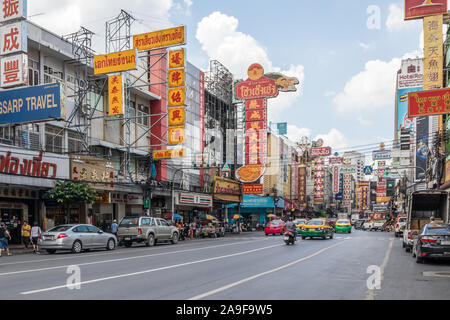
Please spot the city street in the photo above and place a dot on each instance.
(248, 266)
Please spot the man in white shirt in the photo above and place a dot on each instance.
(35, 233)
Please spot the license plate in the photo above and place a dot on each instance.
(127, 239)
(286, 238)
(445, 243)
(48, 238)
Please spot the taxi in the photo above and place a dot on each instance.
(343, 226)
(317, 228)
(275, 227)
(300, 224)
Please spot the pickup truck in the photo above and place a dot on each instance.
(374, 225)
(422, 205)
(146, 230)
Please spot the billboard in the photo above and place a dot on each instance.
(320, 152)
(422, 141)
(32, 104)
(433, 53)
(416, 9)
(168, 154)
(115, 62)
(429, 103)
(13, 10)
(160, 39)
(257, 86)
(411, 74)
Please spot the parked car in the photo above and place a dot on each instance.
(433, 242)
(146, 230)
(359, 224)
(400, 226)
(343, 226)
(76, 238)
(317, 228)
(275, 227)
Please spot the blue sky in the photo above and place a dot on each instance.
(347, 70)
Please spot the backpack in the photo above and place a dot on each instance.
(2, 233)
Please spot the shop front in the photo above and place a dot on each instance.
(25, 176)
(226, 192)
(255, 209)
(192, 205)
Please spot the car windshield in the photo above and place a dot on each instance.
(129, 222)
(60, 229)
(274, 223)
(343, 222)
(315, 223)
(438, 229)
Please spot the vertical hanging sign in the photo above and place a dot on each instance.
(115, 93)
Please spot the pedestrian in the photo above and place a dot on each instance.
(26, 234)
(114, 227)
(4, 236)
(191, 231)
(35, 234)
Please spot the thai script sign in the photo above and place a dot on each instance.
(416, 9)
(257, 85)
(227, 190)
(320, 152)
(252, 189)
(160, 39)
(115, 62)
(168, 154)
(32, 104)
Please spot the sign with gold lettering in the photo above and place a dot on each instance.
(177, 116)
(160, 39)
(177, 78)
(115, 62)
(429, 103)
(115, 94)
(433, 53)
(177, 59)
(257, 85)
(168, 154)
(227, 190)
(92, 170)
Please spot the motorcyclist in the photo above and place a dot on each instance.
(291, 227)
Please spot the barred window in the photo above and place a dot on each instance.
(75, 141)
(54, 139)
(143, 115)
(33, 72)
(52, 75)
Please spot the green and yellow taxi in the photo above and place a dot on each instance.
(317, 228)
(343, 226)
(300, 224)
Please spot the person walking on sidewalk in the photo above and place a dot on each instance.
(4, 236)
(35, 233)
(26, 234)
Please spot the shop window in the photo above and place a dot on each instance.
(54, 139)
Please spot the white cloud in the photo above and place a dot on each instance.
(330, 93)
(396, 21)
(334, 139)
(188, 3)
(295, 133)
(220, 39)
(364, 122)
(67, 16)
(365, 46)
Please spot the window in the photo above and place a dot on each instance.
(163, 223)
(129, 222)
(81, 229)
(33, 73)
(93, 229)
(146, 221)
(6, 135)
(143, 113)
(52, 75)
(75, 142)
(132, 110)
(54, 138)
(153, 223)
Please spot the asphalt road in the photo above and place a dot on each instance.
(246, 267)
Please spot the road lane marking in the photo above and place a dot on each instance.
(121, 259)
(120, 251)
(438, 274)
(238, 283)
(371, 293)
(150, 271)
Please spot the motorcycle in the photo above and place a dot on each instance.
(289, 238)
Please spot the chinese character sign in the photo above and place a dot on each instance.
(115, 92)
(14, 71)
(433, 53)
(429, 103)
(177, 59)
(177, 116)
(13, 38)
(176, 78)
(13, 10)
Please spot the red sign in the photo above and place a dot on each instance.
(256, 115)
(256, 125)
(256, 86)
(252, 136)
(252, 189)
(256, 104)
(336, 161)
(320, 152)
(429, 103)
(416, 9)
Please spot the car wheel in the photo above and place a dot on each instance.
(396, 234)
(51, 251)
(419, 258)
(150, 240)
(111, 245)
(175, 238)
(303, 238)
(77, 247)
(331, 236)
(267, 234)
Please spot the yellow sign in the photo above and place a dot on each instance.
(433, 53)
(115, 62)
(168, 154)
(160, 39)
(92, 170)
(176, 135)
(176, 78)
(177, 59)
(383, 199)
(177, 97)
(115, 92)
(177, 116)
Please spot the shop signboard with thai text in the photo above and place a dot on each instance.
(168, 154)
(115, 62)
(227, 190)
(320, 152)
(32, 104)
(160, 39)
(429, 103)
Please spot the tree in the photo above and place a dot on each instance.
(70, 192)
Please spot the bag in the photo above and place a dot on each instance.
(2, 233)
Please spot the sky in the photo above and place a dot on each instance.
(345, 53)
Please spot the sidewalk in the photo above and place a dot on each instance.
(16, 250)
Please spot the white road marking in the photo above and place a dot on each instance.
(238, 283)
(371, 293)
(121, 259)
(149, 271)
(438, 274)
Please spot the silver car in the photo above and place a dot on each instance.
(76, 237)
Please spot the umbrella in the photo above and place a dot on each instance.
(271, 216)
(208, 217)
(175, 216)
(236, 217)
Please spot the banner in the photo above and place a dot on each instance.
(433, 52)
(160, 39)
(31, 104)
(115, 95)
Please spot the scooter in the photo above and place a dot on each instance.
(289, 238)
